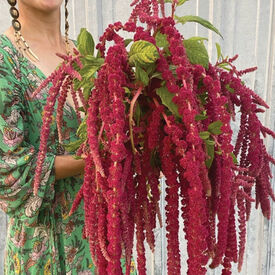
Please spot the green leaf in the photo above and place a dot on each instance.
(143, 53)
(77, 158)
(196, 52)
(210, 142)
(173, 69)
(142, 76)
(77, 84)
(203, 98)
(87, 89)
(224, 66)
(94, 61)
(88, 71)
(202, 116)
(166, 1)
(86, 84)
(210, 152)
(161, 40)
(204, 135)
(156, 75)
(82, 129)
(85, 42)
(98, 55)
(81, 109)
(127, 42)
(198, 38)
(215, 127)
(151, 69)
(234, 158)
(229, 89)
(197, 19)
(73, 146)
(155, 159)
(181, 2)
(137, 113)
(166, 99)
(127, 90)
(219, 52)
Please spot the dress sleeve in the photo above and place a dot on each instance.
(18, 157)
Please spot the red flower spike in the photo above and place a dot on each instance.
(45, 130)
(232, 250)
(242, 230)
(77, 200)
(92, 135)
(142, 202)
(44, 84)
(227, 266)
(127, 233)
(172, 213)
(128, 221)
(76, 104)
(141, 261)
(101, 229)
(82, 99)
(61, 102)
(154, 128)
(90, 207)
(149, 224)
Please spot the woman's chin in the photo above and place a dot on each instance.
(42, 5)
(49, 5)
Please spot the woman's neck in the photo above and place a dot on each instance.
(41, 27)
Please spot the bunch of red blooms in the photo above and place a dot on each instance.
(149, 114)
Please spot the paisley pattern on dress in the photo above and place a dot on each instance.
(42, 238)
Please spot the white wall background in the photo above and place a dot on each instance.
(248, 28)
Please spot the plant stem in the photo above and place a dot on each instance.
(174, 8)
(162, 7)
(131, 121)
(163, 114)
(101, 131)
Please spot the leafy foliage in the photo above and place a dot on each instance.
(143, 53)
(193, 18)
(167, 100)
(196, 51)
(85, 43)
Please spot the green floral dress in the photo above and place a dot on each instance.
(42, 238)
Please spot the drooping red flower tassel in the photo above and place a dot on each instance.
(172, 209)
(45, 130)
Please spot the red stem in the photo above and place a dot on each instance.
(101, 131)
(174, 8)
(131, 121)
(163, 114)
(162, 7)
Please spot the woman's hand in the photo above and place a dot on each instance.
(68, 166)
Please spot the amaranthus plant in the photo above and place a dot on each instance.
(154, 104)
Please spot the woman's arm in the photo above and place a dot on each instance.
(67, 166)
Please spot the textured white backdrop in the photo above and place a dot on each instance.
(248, 28)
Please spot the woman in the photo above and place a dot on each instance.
(42, 238)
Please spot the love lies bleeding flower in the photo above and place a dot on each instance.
(151, 112)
